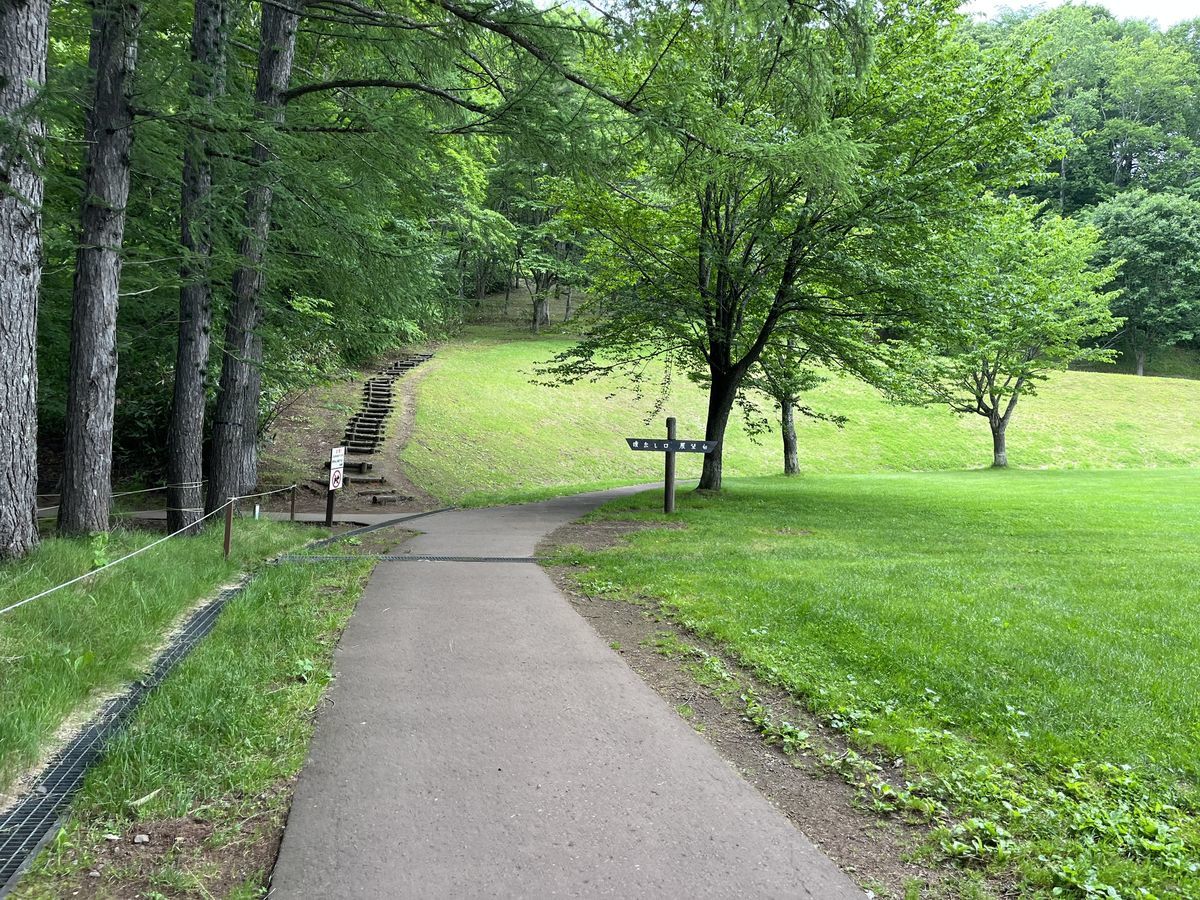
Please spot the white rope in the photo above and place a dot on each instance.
(165, 487)
(111, 564)
(148, 546)
(265, 493)
(182, 484)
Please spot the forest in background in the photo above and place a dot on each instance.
(312, 184)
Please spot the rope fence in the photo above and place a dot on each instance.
(266, 493)
(151, 490)
(227, 507)
(161, 487)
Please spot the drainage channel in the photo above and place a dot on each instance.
(413, 558)
(367, 529)
(28, 826)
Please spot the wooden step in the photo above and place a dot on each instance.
(362, 467)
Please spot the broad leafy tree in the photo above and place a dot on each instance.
(1032, 303)
(1158, 238)
(807, 186)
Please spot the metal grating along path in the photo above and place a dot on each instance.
(367, 529)
(414, 558)
(26, 827)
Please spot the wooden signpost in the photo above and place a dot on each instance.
(337, 470)
(670, 447)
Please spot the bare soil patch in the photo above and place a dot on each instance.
(216, 853)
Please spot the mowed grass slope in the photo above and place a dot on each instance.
(1029, 642)
(485, 432)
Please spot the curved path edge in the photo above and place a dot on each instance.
(480, 740)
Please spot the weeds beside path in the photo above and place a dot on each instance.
(61, 654)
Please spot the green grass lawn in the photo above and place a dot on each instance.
(67, 649)
(1029, 642)
(485, 433)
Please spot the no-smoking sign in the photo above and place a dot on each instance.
(337, 465)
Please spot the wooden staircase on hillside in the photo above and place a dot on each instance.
(365, 430)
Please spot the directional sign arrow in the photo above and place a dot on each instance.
(661, 446)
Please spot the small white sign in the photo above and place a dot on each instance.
(337, 463)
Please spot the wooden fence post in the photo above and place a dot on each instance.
(228, 526)
(669, 480)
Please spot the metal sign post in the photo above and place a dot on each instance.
(337, 468)
(670, 447)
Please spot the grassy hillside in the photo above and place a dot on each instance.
(1166, 362)
(485, 432)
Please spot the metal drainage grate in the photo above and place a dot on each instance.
(414, 558)
(367, 529)
(26, 827)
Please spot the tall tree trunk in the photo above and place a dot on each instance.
(1140, 357)
(999, 449)
(721, 394)
(541, 312)
(23, 36)
(185, 438)
(92, 378)
(251, 410)
(791, 456)
(462, 274)
(235, 424)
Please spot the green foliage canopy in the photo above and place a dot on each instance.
(1034, 304)
(1157, 239)
(824, 160)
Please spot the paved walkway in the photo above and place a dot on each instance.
(482, 741)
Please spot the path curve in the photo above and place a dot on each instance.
(481, 740)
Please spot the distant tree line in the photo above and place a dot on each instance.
(1126, 97)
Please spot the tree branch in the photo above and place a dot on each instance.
(345, 83)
